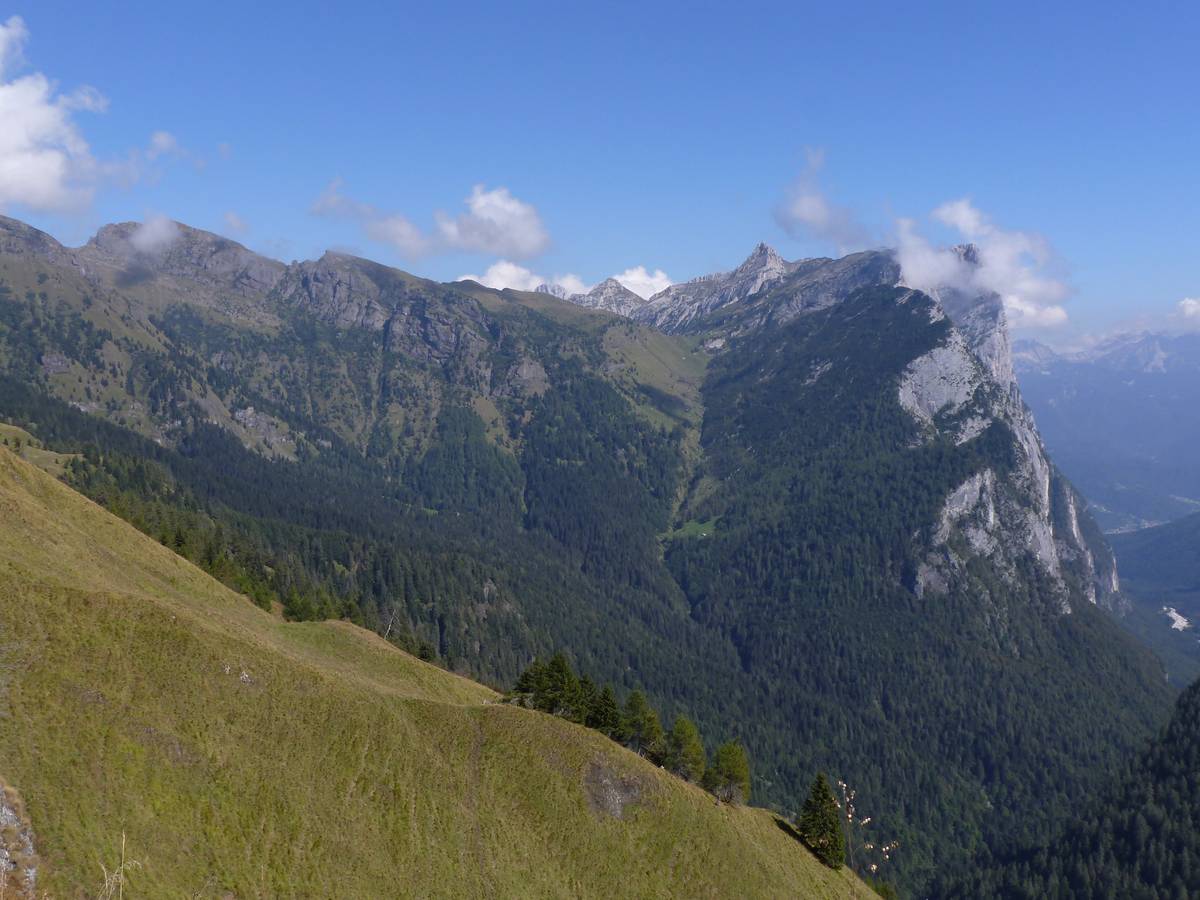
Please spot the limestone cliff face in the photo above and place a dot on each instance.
(959, 388)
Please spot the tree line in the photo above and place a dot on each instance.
(553, 687)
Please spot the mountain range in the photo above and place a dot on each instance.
(1120, 419)
(800, 501)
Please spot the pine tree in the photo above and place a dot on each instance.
(685, 751)
(588, 697)
(820, 824)
(531, 682)
(605, 715)
(730, 774)
(642, 730)
(561, 694)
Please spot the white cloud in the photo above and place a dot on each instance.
(1189, 308)
(1008, 263)
(495, 223)
(236, 223)
(162, 143)
(85, 99)
(400, 233)
(572, 284)
(644, 284)
(806, 211)
(392, 229)
(13, 35)
(155, 235)
(333, 202)
(505, 274)
(45, 164)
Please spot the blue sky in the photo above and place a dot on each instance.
(668, 136)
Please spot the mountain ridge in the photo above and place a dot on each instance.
(755, 501)
(1118, 417)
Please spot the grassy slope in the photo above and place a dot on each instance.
(337, 766)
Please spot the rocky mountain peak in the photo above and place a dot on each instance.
(674, 308)
(17, 237)
(613, 296)
(1031, 355)
(138, 251)
(762, 256)
(554, 290)
(968, 253)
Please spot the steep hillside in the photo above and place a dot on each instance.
(1138, 839)
(1160, 575)
(233, 752)
(909, 584)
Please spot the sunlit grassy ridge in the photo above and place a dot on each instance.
(238, 753)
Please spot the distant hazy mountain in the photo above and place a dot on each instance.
(554, 290)
(1160, 569)
(1121, 420)
(609, 295)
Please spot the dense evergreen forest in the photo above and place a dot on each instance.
(503, 482)
(817, 490)
(1139, 840)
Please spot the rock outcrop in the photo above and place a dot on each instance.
(612, 296)
(680, 305)
(960, 388)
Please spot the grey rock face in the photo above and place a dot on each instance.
(18, 857)
(423, 320)
(17, 237)
(765, 290)
(816, 284)
(189, 253)
(341, 292)
(612, 296)
(554, 290)
(959, 388)
(674, 308)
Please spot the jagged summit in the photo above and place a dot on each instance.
(554, 290)
(766, 288)
(762, 256)
(968, 253)
(609, 295)
(613, 296)
(676, 307)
